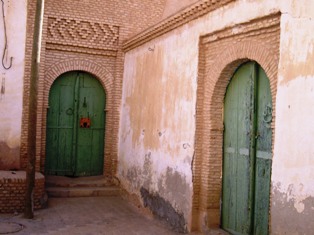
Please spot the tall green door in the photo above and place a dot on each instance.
(247, 151)
(75, 126)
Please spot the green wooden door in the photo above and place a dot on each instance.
(75, 126)
(247, 152)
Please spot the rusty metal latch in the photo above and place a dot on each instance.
(85, 122)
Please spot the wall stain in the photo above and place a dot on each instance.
(147, 171)
(156, 102)
(285, 217)
(9, 157)
(293, 68)
(169, 198)
(133, 175)
(164, 210)
(301, 69)
(174, 187)
(144, 102)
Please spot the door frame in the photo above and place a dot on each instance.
(111, 128)
(220, 53)
(250, 77)
(71, 163)
(207, 184)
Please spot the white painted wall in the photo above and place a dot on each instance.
(159, 95)
(12, 80)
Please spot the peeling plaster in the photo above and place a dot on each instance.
(291, 213)
(176, 189)
(292, 199)
(296, 48)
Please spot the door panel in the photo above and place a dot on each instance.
(246, 171)
(60, 127)
(90, 140)
(263, 154)
(71, 148)
(236, 178)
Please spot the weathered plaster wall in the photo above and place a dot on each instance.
(293, 165)
(156, 146)
(157, 131)
(11, 82)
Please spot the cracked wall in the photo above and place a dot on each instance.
(11, 82)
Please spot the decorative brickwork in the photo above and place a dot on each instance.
(12, 191)
(81, 33)
(220, 53)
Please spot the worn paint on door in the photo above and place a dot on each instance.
(75, 126)
(247, 151)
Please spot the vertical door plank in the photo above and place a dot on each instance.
(236, 214)
(263, 154)
(60, 119)
(90, 148)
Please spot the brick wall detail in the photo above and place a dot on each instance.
(220, 53)
(12, 191)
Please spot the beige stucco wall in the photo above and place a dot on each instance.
(12, 83)
(157, 131)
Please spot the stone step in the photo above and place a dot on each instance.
(70, 182)
(83, 191)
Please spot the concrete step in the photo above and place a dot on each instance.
(83, 191)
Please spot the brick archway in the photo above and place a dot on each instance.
(216, 67)
(105, 78)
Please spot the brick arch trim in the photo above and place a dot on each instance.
(231, 58)
(104, 76)
(215, 78)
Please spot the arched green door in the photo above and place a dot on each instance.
(247, 151)
(75, 126)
